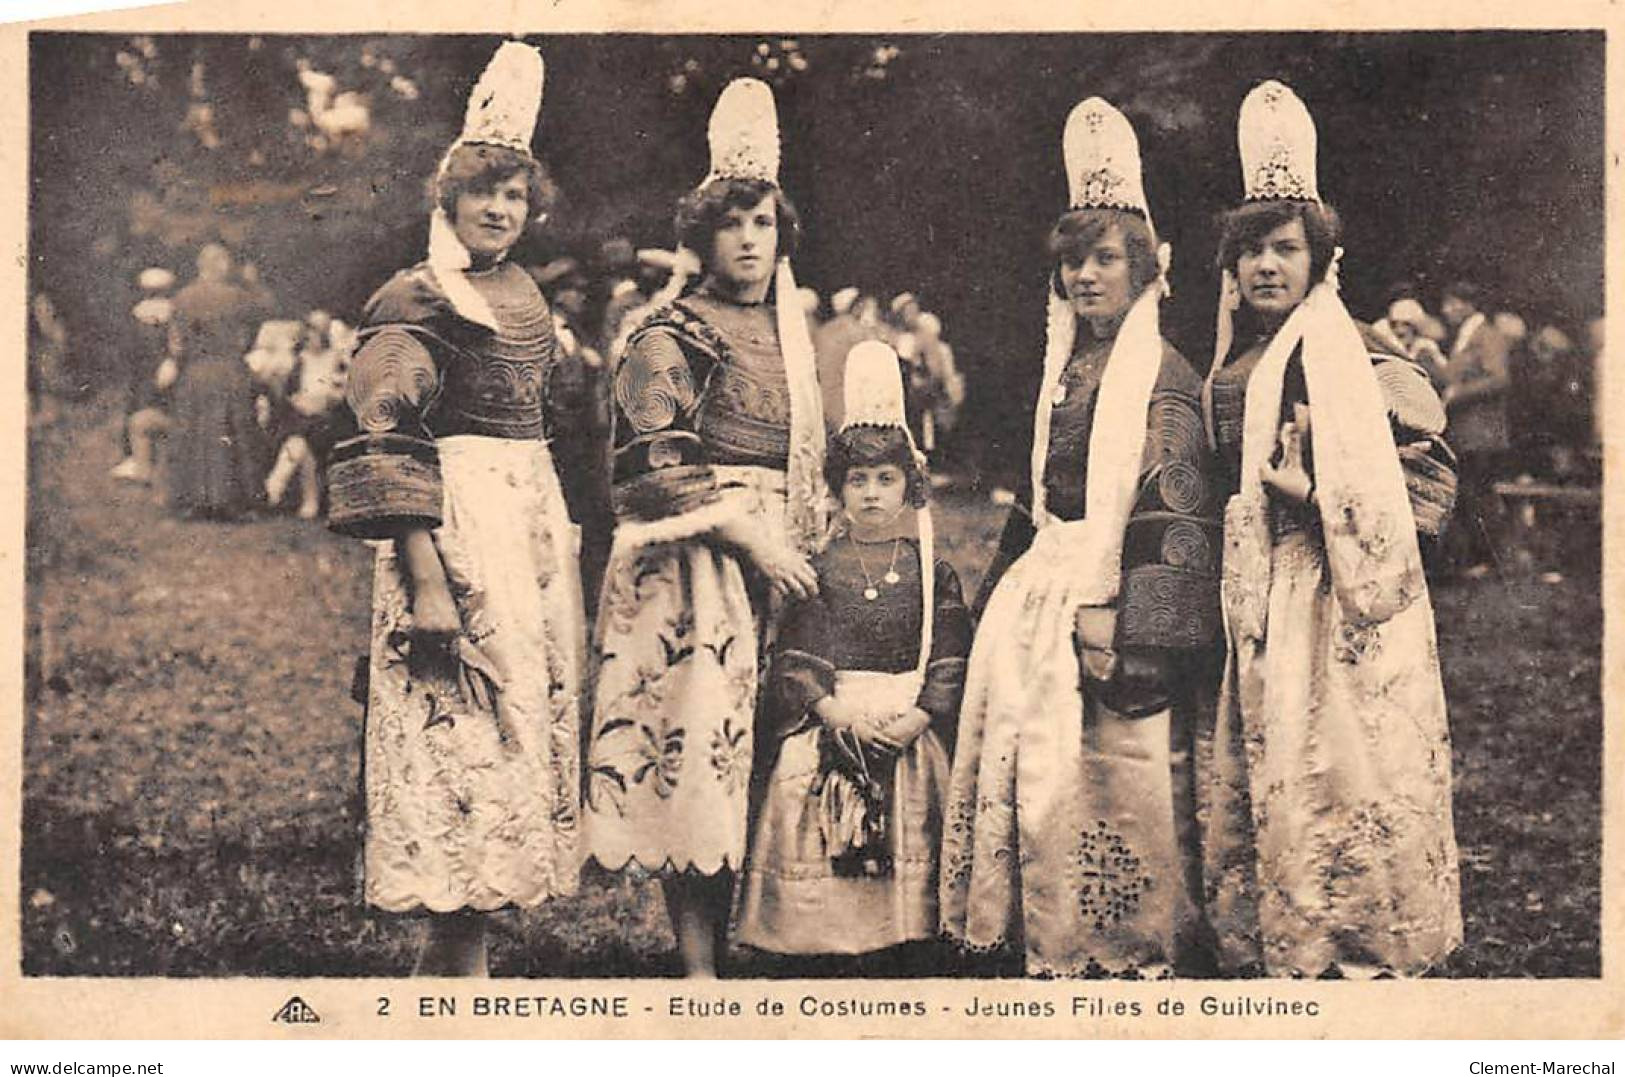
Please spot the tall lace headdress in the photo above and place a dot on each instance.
(1277, 140)
(873, 396)
(744, 140)
(502, 111)
(1370, 537)
(1102, 158)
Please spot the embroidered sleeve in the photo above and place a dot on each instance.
(802, 673)
(664, 488)
(950, 647)
(386, 477)
(1169, 596)
(1418, 421)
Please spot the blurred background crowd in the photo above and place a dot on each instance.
(284, 177)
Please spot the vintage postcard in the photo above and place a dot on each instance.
(571, 520)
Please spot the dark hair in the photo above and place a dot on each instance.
(864, 445)
(480, 167)
(1249, 223)
(1466, 291)
(1077, 232)
(1402, 289)
(701, 212)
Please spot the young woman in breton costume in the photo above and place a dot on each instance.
(863, 698)
(1069, 821)
(719, 496)
(1328, 841)
(473, 714)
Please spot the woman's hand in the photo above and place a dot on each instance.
(1094, 634)
(1291, 479)
(435, 621)
(168, 372)
(434, 613)
(900, 733)
(789, 572)
(435, 628)
(836, 714)
(785, 569)
(840, 716)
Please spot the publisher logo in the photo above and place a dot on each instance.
(296, 1011)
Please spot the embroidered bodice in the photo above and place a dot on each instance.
(1072, 413)
(744, 407)
(1229, 391)
(842, 629)
(702, 384)
(497, 385)
(1168, 594)
(422, 371)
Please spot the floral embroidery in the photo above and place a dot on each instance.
(467, 806)
(742, 683)
(1110, 880)
(1356, 641)
(958, 842)
(730, 755)
(645, 692)
(661, 751)
(1359, 845)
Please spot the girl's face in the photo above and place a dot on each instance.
(747, 241)
(489, 222)
(1100, 286)
(1273, 272)
(874, 495)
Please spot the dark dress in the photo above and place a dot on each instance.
(218, 453)
(1071, 822)
(844, 857)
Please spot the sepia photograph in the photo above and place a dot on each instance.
(866, 509)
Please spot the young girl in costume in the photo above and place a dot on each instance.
(863, 697)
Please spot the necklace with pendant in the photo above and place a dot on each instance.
(871, 592)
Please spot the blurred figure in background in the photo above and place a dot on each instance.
(1406, 321)
(1475, 400)
(1552, 416)
(868, 310)
(905, 311)
(1511, 325)
(302, 413)
(47, 361)
(248, 278)
(1550, 412)
(946, 386)
(831, 343)
(217, 449)
(916, 379)
(146, 406)
(618, 264)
